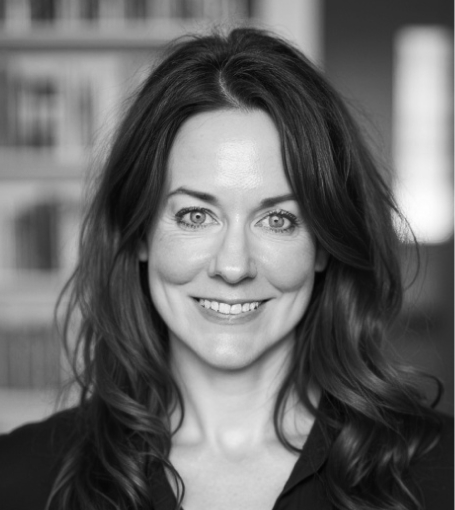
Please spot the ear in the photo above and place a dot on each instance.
(142, 251)
(322, 258)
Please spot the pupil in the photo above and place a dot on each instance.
(277, 221)
(197, 217)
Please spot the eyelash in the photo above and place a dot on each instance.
(285, 214)
(179, 217)
(278, 212)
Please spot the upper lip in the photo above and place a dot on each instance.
(231, 301)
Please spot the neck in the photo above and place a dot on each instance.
(232, 410)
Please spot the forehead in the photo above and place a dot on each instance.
(228, 151)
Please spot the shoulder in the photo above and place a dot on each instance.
(433, 472)
(29, 460)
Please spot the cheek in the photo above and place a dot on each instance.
(289, 267)
(176, 259)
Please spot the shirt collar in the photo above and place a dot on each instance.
(314, 452)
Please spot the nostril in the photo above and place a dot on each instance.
(233, 273)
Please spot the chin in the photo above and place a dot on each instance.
(235, 354)
(230, 362)
(230, 352)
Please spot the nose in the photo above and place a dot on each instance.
(233, 260)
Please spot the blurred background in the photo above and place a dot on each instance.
(67, 68)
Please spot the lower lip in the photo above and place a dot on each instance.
(229, 319)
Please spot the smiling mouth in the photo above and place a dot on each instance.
(227, 309)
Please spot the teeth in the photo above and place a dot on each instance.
(236, 309)
(226, 309)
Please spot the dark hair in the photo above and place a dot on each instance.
(379, 417)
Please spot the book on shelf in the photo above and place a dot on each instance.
(16, 14)
(43, 10)
(36, 237)
(39, 232)
(58, 103)
(29, 357)
(136, 10)
(3, 100)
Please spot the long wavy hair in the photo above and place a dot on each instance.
(376, 413)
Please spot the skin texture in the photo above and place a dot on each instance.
(235, 255)
(233, 247)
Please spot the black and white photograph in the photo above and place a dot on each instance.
(226, 255)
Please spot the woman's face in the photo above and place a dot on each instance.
(231, 261)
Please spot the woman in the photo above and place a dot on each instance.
(237, 277)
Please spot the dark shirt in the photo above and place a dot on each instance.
(30, 457)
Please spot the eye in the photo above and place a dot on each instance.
(197, 217)
(194, 217)
(278, 221)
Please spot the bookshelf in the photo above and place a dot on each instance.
(67, 68)
(131, 36)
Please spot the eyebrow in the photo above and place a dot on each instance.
(207, 197)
